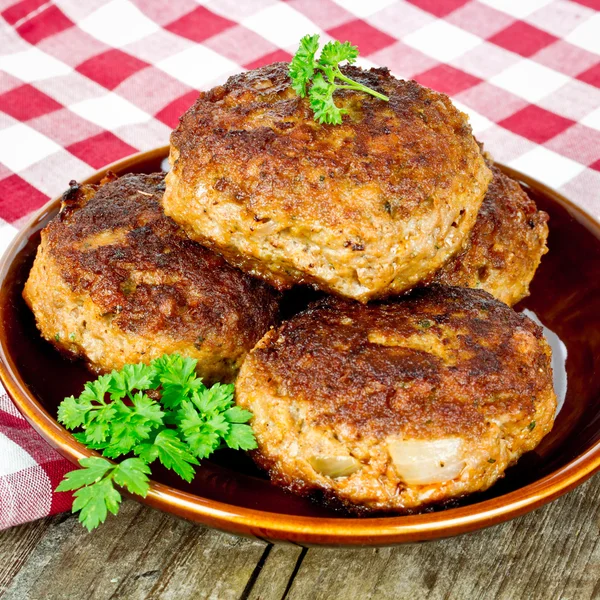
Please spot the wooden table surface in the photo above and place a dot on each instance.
(550, 554)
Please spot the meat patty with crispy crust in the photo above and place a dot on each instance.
(365, 209)
(505, 246)
(116, 281)
(396, 406)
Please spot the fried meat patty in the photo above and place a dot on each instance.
(396, 406)
(115, 281)
(505, 246)
(364, 209)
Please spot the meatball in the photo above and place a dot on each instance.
(365, 209)
(397, 406)
(505, 247)
(115, 281)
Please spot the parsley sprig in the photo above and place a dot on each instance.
(323, 74)
(158, 411)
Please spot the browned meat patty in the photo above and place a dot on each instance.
(505, 246)
(364, 209)
(400, 405)
(115, 281)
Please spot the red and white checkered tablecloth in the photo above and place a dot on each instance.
(85, 83)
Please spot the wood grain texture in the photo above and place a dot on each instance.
(551, 554)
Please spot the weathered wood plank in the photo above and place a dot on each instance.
(553, 553)
(141, 554)
(273, 579)
(16, 544)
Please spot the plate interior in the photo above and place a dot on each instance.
(565, 295)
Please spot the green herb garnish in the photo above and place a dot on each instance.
(179, 423)
(322, 74)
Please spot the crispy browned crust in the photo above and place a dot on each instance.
(253, 143)
(439, 362)
(505, 245)
(113, 244)
(407, 146)
(439, 365)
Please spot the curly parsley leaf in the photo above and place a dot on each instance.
(302, 67)
(240, 437)
(174, 454)
(72, 412)
(335, 52)
(95, 391)
(325, 76)
(321, 101)
(215, 399)
(132, 474)
(161, 411)
(93, 470)
(94, 501)
(131, 377)
(201, 431)
(177, 377)
(237, 415)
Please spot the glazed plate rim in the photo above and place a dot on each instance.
(273, 526)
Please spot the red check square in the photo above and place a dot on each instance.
(522, 38)
(447, 79)
(267, 59)
(26, 102)
(170, 114)
(325, 14)
(101, 149)
(590, 3)
(20, 10)
(536, 124)
(111, 68)
(361, 34)
(591, 76)
(199, 25)
(23, 198)
(43, 25)
(437, 8)
(596, 165)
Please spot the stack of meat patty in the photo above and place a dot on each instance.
(411, 381)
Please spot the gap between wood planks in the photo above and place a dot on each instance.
(259, 567)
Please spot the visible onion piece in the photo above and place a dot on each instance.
(422, 462)
(267, 228)
(334, 466)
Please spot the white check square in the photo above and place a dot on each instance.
(516, 8)
(21, 146)
(587, 35)
(33, 65)
(12, 457)
(281, 25)
(118, 23)
(442, 41)
(546, 166)
(592, 120)
(530, 80)
(7, 233)
(52, 176)
(400, 19)
(197, 66)
(109, 111)
(363, 9)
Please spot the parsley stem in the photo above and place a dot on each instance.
(354, 85)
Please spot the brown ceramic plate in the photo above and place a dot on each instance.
(230, 494)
